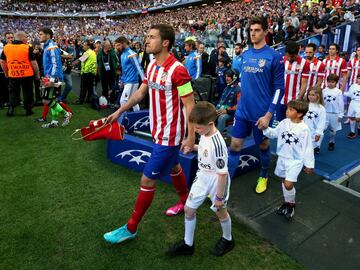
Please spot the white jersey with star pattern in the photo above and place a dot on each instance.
(212, 154)
(354, 92)
(293, 141)
(315, 118)
(334, 101)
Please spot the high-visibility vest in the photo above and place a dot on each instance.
(17, 60)
(89, 65)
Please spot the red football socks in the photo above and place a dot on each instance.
(143, 202)
(65, 107)
(179, 182)
(45, 111)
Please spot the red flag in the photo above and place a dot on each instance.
(100, 129)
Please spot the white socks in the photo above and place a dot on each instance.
(289, 195)
(190, 224)
(352, 126)
(226, 228)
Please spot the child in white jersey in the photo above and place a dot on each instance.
(315, 118)
(295, 150)
(354, 108)
(334, 106)
(212, 179)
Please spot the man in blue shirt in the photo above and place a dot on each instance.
(262, 87)
(193, 61)
(237, 58)
(131, 70)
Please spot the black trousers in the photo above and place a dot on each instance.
(4, 90)
(107, 83)
(87, 86)
(26, 84)
(37, 90)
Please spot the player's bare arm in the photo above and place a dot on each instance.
(188, 144)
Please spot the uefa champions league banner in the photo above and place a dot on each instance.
(134, 151)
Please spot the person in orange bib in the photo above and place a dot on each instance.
(20, 66)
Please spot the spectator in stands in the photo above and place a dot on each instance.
(214, 57)
(107, 63)
(237, 35)
(227, 104)
(320, 53)
(220, 78)
(204, 59)
(236, 63)
(192, 60)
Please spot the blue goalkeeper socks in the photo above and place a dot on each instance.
(265, 162)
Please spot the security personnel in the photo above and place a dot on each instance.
(19, 65)
(88, 72)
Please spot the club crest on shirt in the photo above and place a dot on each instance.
(163, 77)
(262, 63)
(205, 153)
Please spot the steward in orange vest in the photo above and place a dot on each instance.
(19, 65)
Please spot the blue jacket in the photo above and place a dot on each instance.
(130, 66)
(193, 64)
(52, 61)
(236, 63)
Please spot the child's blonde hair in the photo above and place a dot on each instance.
(319, 92)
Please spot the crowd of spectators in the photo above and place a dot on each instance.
(93, 6)
(288, 20)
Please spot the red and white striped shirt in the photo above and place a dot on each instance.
(317, 70)
(337, 66)
(166, 114)
(353, 67)
(294, 72)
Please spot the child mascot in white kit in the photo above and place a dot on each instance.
(294, 150)
(211, 179)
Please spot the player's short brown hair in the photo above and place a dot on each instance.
(203, 113)
(166, 32)
(299, 106)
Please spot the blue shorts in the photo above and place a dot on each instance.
(243, 128)
(161, 161)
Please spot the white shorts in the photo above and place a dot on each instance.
(354, 109)
(205, 184)
(288, 169)
(332, 122)
(129, 89)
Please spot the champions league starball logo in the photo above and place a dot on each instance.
(142, 122)
(311, 115)
(247, 161)
(289, 138)
(135, 155)
(329, 98)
